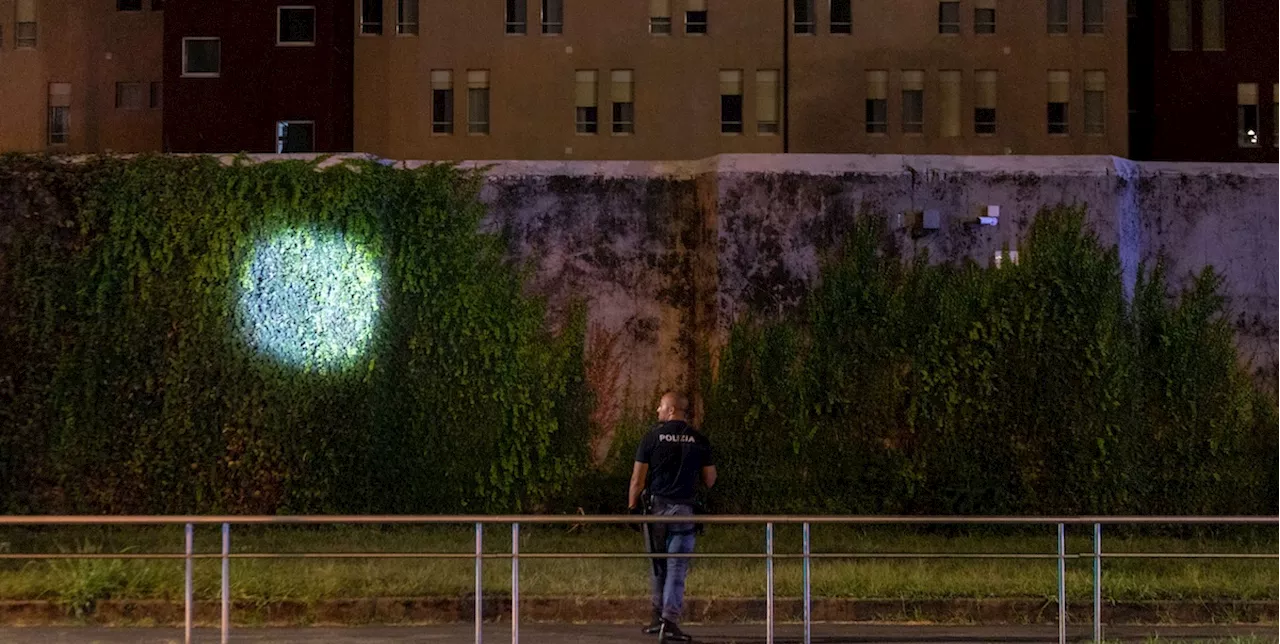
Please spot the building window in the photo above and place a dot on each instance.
(1059, 95)
(24, 28)
(517, 12)
(586, 102)
(128, 5)
(441, 101)
(1093, 16)
(131, 96)
(59, 113)
(371, 17)
(201, 57)
(660, 17)
(695, 17)
(1247, 115)
(295, 137)
(984, 17)
(730, 101)
(296, 26)
(552, 16)
(478, 101)
(157, 95)
(948, 17)
(1180, 25)
(877, 113)
(841, 16)
(1212, 34)
(949, 89)
(767, 99)
(622, 92)
(1095, 103)
(984, 101)
(913, 101)
(802, 17)
(1057, 10)
(407, 17)
(157, 5)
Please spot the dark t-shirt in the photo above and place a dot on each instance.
(676, 454)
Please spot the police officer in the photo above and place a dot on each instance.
(672, 458)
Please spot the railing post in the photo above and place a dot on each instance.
(1062, 583)
(479, 583)
(1097, 583)
(768, 582)
(226, 582)
(808, 598)
(187, 591)
(515, 583)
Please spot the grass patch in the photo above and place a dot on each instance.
(82, 582)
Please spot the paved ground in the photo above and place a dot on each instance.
(604, 634)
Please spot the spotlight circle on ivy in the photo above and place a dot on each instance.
(309, 298)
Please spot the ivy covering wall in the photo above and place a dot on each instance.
(173, 341)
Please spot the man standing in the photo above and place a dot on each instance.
(671, 459)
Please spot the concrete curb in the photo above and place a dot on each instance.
(443, 610)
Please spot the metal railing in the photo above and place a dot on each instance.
(1097, 555)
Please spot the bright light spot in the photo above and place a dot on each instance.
(310, 299)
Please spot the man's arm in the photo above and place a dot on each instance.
(709, 475)
(638, 474)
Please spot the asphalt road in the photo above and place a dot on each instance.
(606, 634)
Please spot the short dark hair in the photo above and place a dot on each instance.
(678, 400)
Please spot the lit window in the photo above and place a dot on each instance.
(984, 17)
(622, 95)
(1180, 25)
(913, 101)
(297, 26)
(1059, 98)
(767, 99)
(1057, 16)
(730, 101)
(295, 137)
(984, 101)
(371, 17)
(949, 88)
(586, 102)
(201, 57)
(877, 106)
(1212, 35)
(552, 16)
(478, 101)
(517, 16)
(24, 28)
(1247, 115)
(802, 17)
(441, 101)
(1095, 103)
(948, 17)
(841, 17)
(660, 17)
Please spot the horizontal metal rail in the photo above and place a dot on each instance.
(515, 554)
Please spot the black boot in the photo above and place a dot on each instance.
(655, 623)
(671, 633)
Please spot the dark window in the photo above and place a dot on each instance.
(157, 94)
(442, 111)
(1057, 118)
(1093, 16)
(803, 18)
(295, 136)
(371, 17)
(59, 125)
(128, 5)
(587, 120)
(1057, 16)
(731, 113)
(624, 118)
(984, 120)
(552, 16)
(517, 16)
(24, 35)
(660, 25)
(1248, 135)
(201, 56)
(877, 116)
(841, 17)
(297, 26)
(984, 20)
(157, 5)
(407, 17)
(913, 111)
(948, 17)
(695, 22)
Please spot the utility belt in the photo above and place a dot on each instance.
(651, 503)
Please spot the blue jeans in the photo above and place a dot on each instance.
(666, 577)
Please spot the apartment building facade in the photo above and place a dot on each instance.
(666, 79)
(80, 76)
(1203, 80)
(268, 76)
